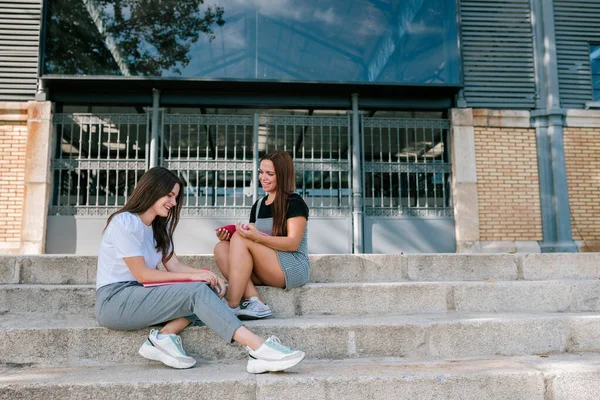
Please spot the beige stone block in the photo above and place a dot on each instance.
(466, 212)
(461, 116)
(583, 118)
(463, 155)
(35, 210)
(502, 118)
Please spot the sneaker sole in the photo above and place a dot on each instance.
(256, 366)
(245, 317)
(151, 353)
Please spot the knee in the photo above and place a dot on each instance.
(238, 240)
(221, 250)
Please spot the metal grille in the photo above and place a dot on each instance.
(577, 26)
(97, 160)
(320, 148)
(214, 156)
(497, 50)
(19, 43)
(406, 167)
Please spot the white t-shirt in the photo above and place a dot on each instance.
(125, 236)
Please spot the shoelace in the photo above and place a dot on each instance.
(250, 305)
(274, 340)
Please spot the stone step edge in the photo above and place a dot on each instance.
(355, 298)
(324, 337)
(326, 268)
(573, 376)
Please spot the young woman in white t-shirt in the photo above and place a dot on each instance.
(136, 239)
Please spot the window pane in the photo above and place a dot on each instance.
(393, 41)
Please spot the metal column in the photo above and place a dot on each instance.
(548, 119)
(357, 182)
(154, 138)
(255, 159)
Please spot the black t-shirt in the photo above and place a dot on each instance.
(296, 208)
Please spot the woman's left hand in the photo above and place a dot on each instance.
(247, 231)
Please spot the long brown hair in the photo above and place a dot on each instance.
(286, 185)
(157, 182)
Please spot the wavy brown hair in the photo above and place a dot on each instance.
(157, 182)
(286, 185)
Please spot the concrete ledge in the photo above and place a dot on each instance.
(501, 118)
(61, 269)
(353, 298)
(583, 118)
(53, 338)
(566, 265)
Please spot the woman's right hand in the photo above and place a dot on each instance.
(223, 235)
(206, 276)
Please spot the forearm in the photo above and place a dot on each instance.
(281, 243)
(149, 275)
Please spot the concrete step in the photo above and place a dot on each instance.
(354, 298)
(44, 338)
(57, 269)
(557, 377)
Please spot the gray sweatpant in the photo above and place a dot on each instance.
(131, 306)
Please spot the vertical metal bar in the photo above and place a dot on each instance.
(407, 162)
(255, 159)
(98, 158)
(154, 140)
(127, 143)
(225, 167)
(206, 157)
(380, 161)
(399, 149)
(357, 211)
(89, 157)
(106, 190)
(117, 172)
(60, 171)
(414, 127)
(433, 142)
(80, 150)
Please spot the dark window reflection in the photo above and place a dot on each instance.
(390, 41)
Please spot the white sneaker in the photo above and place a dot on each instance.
(272, 356)
(254, 309)
(167, 350)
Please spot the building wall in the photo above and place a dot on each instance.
(13, 142)
(582, 157)
(507, 182)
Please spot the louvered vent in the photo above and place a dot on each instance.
(19, 43)
(497, 49)
(577, 26)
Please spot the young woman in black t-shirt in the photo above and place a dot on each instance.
(272, 249)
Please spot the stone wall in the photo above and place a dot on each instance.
(582, 158)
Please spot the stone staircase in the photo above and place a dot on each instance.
(373, 327)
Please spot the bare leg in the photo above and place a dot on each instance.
(245, 337)
(221, 253)
(247, 258)
(175, 326)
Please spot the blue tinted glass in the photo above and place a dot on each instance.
(394, 41)
(595, 64)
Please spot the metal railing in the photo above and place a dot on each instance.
(406, 166)
(97, 160)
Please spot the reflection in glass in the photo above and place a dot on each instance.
(595, 64)
(408, 42)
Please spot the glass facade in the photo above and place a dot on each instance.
(410, 42)
(595, 64)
